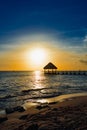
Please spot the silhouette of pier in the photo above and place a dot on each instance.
(50, 68)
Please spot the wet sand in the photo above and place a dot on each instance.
(67, 114)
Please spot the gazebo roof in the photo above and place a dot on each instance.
(50, 66)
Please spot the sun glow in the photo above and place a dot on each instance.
(37, 56)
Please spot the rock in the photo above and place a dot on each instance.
(41, 106)
(19, 108)
(3, 118)
(11, 110)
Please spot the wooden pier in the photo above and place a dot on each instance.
(67, 72)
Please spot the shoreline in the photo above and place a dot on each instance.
(64, 96)
(68, 112)
(57, 99)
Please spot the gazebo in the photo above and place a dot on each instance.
(50, 68)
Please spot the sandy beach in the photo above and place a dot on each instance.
(67, 114)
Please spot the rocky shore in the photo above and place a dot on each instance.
(70, 114)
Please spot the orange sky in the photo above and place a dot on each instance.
(19, 57)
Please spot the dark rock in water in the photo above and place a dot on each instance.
(33, 127)
(41, 106)
(3, 116)
(11, 110)
(19, 109)
(2, 119)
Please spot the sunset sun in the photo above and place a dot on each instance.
(37, 56)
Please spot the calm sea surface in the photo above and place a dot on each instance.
(17, 88)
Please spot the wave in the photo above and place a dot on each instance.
(29, 90)
(7, 97)
(2, 90)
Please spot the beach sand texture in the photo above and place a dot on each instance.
(69, 114)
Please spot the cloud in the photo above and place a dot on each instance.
(85, 39)
(83, 61)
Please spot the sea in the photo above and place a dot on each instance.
(19, 87)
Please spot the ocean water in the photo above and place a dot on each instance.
(17, 88)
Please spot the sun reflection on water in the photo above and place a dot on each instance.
(43, 101)
(38, 79)
(37, 74)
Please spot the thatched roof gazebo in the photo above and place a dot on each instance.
(50, 68)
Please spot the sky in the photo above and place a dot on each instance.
(55, 28)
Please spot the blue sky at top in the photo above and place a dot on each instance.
(64, 19)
